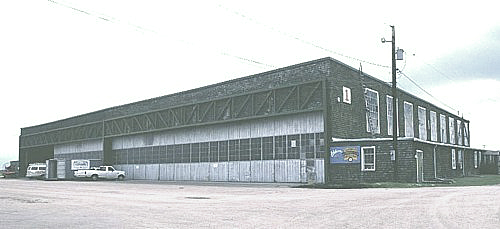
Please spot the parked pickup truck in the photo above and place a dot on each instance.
(101, 172)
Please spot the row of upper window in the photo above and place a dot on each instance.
(451, 131)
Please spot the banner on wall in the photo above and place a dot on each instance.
(345, 155)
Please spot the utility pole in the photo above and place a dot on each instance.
(394, 103)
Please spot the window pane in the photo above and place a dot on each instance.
(244, 149)
(320, 145)
(459, 132)
(307, 145)
(293, 147)
(466, 134)
(186, 153)
(223, 155)
(433, 118)
(368, 158)
(267, 148)
(408, 110)
(214, 151)
(170, 154)
(451, 124)
(422, 123)
(280, 147)
(256, 149)
(234, 148)
(372, 115)
(442, 124)
(204, 157)
(195, 152)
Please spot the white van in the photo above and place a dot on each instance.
(36, 170)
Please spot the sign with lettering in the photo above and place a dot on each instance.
(345, 155)
(80, 164)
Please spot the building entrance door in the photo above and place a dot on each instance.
(419, 156)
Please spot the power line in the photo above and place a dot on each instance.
(425, 91)
(144, 29)
(299, 38)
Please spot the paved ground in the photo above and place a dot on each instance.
(132, 204)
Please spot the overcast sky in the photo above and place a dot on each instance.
(62, 58)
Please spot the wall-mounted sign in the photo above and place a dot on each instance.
(80, 164)
(345, 155)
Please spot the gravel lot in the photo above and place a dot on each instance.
(132, 204)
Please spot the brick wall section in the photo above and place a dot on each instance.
(349, 120)
(384, 166)
(407, 172)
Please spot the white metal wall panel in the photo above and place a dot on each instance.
(273, 126)
(152, 171)
(138, 141)
(202, 134)
(182, 171)
(129, 171)
(303, 171)
(219, 132)
(293, 170)
(185, 136)
(320, 170)
(244, 130)
(280, 171)
(139, 172)
(287, 170)
(245, 171)
(77, 147)
(127, 142)
(218, 171)
(256, 171)
(238, 171)
(233, 171)
(167, 171)
(117, 143)
(199, 171)
(268, 171)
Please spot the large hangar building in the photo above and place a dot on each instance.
(319, 121)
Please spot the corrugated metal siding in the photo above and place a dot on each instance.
(78, 147)
(182, 171)
(320, 170)
(167, 171)
(139, 172)
(219, 171)
(285, 171)
(152, 172)
(245, 172)
(291, 170)
(200, 171)
(275, 126)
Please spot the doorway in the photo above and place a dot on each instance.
(419, 156)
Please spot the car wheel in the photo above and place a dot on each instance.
(121, 177)
(94, 177)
